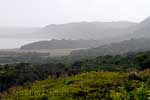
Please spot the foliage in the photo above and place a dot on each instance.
(85, 86)
(23, 73)
(20, 74)
(126, 78)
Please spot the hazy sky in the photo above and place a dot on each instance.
(44, 12)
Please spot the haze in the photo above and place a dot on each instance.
(20, 19)
(37, 13)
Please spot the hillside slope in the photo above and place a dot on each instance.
(132, 45)
(85, 86)
(61, 44)
(142, 29)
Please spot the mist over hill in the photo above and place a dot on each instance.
(78, 30)
(86, 30)
(80, 35)
(61, 44)
(90, 34)
(137, 40)
(132, 45)
(142, 29)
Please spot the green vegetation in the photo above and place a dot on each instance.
(24, 73)
(109, 77)
(7, 57)
(123, 62)
(86, 86)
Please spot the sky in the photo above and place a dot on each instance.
(37, 13)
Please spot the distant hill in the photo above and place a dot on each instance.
(86, 30)
(132, 45)
(84, 35)
(90, 34)
(142, 29)
(61, 44)
(81, 30)
(138, 39)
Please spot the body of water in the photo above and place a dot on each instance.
(10, 43)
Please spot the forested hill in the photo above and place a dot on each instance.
(62, 44)
(132, 45)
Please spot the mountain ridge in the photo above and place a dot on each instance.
(85, 30)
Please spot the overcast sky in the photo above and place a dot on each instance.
(38, 13)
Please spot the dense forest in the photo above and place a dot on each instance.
(61, 44)
(108, 77)
(86, 86)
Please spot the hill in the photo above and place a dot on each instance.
(89, 34)
(61, 44)
(132, 45)
(142, 29)
(141, 33)
(84, 35)
(86, 30)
